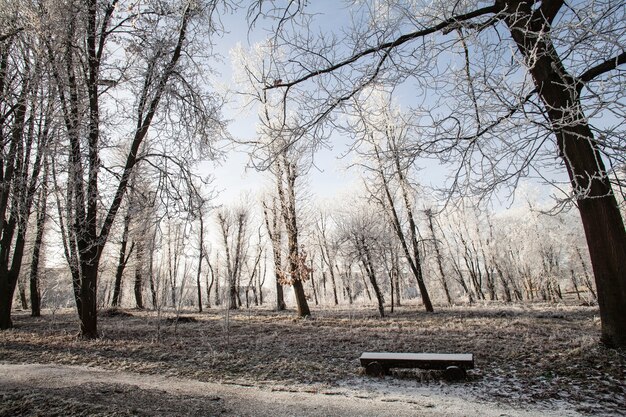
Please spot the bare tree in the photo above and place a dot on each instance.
(382, 134)
(286, 175)
(364, 235)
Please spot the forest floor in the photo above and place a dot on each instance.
(530, 360)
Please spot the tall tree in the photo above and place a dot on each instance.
(286, 172)
(384, 131)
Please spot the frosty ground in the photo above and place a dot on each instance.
(530, 360)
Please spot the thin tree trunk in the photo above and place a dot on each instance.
(139, 269)
(209, 285)
(35, 295)
(313, 284)
(122, 260)
(442, 274)
(273, 230)
(200, 258)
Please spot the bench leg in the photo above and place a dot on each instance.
(374, 369)
(455, 373)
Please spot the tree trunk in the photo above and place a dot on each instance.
(122, 260)
(280, 296)
(139, 263)
(442, 275)
(22, 291)
(274, 232)
(35, 295)
(200, 258)
(414, 258)
(88, 313)
(209, 285)
(217, 283)
(599, 212)
(7, 289)
(313, 284)
(287, 199)
(369, 268)
(302, 307)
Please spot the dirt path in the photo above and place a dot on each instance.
(127, 393)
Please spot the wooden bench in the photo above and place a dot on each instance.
(455, 365)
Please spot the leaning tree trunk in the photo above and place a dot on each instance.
(366, 260)
(599, 212)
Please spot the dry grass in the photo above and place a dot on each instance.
(523, 354)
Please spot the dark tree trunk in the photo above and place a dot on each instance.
(23, 298)
(8, 280)
(369, 268)
(217, 284)
(35, 295)
(280, 296)
(391, 289)
(88, 313)
(302, 307)
(139, 269)
(7, 289)
(398, 279)
(599, 212)
(122, 261)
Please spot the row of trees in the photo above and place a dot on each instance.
(467, 255)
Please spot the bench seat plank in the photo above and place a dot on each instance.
(418, 360)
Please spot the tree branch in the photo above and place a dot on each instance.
(600, 69)
(389, 45)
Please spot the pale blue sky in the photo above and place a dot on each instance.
(233, 177)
